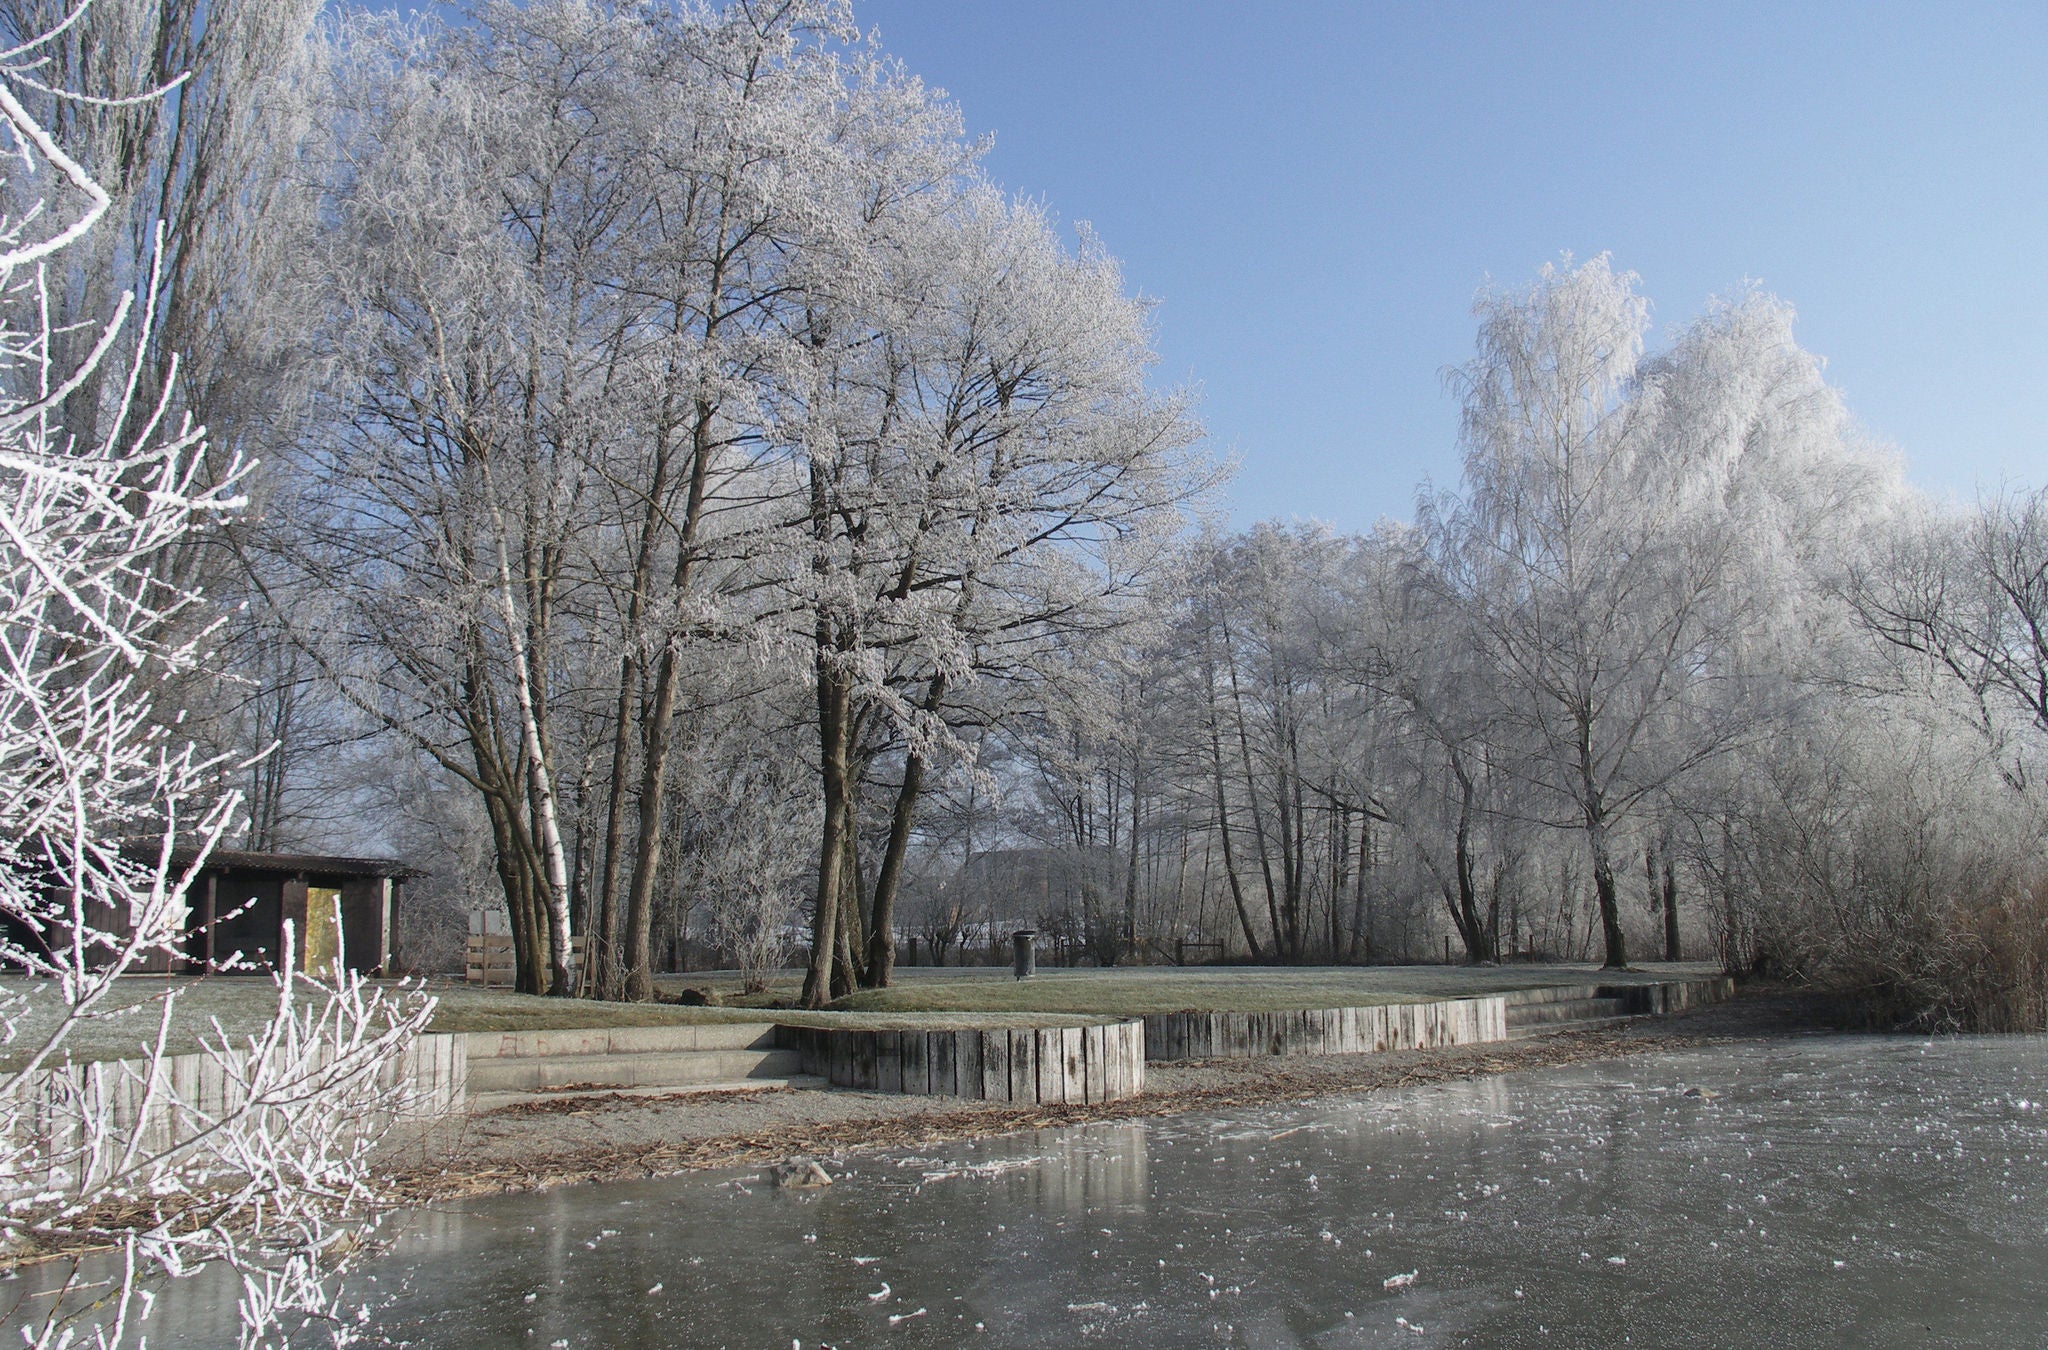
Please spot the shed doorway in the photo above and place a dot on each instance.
(323, 929)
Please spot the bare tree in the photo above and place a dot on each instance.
(1967, 594)
(1596, 549)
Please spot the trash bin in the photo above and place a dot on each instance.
(1027, 954)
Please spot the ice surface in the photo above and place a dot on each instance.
(1811, 1191)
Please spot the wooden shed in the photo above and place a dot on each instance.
(337, 907)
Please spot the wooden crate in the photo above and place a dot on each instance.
(490, 961)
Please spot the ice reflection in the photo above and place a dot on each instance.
(1839, 1191)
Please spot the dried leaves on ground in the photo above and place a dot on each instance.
(540, 1163)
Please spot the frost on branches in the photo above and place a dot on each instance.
(257, 1158)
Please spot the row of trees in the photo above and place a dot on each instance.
(696, 503)
(1681, 660)
(657, 363)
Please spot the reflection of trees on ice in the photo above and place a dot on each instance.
(1074, 1172)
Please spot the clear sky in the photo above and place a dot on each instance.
(1314, 191)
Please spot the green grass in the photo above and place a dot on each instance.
(1157, 989)
(471, 1008)
(126, 1022)
(948, 999)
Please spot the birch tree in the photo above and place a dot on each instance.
(443, 461)
(571, 244)
(1572, 539)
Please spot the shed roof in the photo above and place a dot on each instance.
(291, 864)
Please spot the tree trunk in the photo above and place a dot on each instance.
(656, 729)
(834, 699)
(1131, 867)
(1251, 796)
(654, 747)
(553, 869)
(1672, 945)
(1603, 890)
(606, 981)
(1361, 912)
(882, 923)
(529, 965)
(881, 965)
(1493, 920)
(499, 782)
(1244, 915)
(849, 969)
(1471, 931)
(1592, 802)
(1340, 860)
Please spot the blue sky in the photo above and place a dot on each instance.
(1314, 191)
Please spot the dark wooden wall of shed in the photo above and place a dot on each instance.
(250, 905)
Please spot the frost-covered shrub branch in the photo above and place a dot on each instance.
(105, 816)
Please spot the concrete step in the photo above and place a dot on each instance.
(1552, 993)
(485, 1045)
(663, 1071)
(1549, 1028)
(491, 1101)
(1564, 1010)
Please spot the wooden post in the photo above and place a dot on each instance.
(967, 1063)
(1023, 1064)
(995, 1064)
(916, 1074)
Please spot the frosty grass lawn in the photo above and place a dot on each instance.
(931, 998)
(1137, 990)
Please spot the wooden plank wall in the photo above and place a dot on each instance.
(1671, 995)
(434, 1071)
(1038, 1065)
(1325, 1031)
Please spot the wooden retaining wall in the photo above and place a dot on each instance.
(1325, 1031)
(434, 1070)
(1671, 995)
(998, 1064)
(1665, 996)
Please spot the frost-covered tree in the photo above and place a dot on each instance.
(747, 852)
(1623, 531)
(984, 470)
(561, 257)
(193, 133)
(1963, 595)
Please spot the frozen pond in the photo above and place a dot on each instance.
(1856, 1191)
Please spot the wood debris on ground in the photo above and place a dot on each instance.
(1247, 1083)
